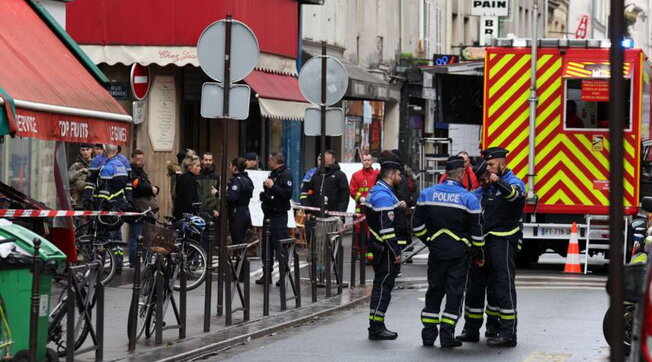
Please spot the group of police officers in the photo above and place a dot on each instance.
(472, 237)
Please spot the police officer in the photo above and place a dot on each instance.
(381, 208)
(447, 219)
(238, 195)
(97, 162)
(276, 195)
(502, 205)
(476, 286)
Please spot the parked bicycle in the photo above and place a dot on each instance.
(84, 287)
(92, 243)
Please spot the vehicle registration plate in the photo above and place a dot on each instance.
(555, 231)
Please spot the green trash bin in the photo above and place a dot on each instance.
(16, 286)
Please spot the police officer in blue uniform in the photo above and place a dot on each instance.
(502, 205)
(381, 208)
(97, 162)
(238, 195)
(447, 220)
(476, 287)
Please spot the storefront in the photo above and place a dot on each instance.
(164, 38)
(51, 95)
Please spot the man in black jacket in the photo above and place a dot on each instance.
(143, 192)
(275, 198)
(334, 185)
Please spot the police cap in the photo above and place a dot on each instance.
(85, 145)
(250, 156)
(480, 169)
(454, 162)
(391, 164)
(494, 152)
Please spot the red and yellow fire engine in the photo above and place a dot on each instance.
(571, 138)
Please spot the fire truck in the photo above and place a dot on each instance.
(568, 180)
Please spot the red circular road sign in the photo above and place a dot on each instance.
(139, 81)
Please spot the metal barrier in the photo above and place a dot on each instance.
(132, 324)
(268, 262)
(238, 272)
(208, 283)
(34, 315)
(320, 251)
(288, 251)
(165, 292)
(334, 262)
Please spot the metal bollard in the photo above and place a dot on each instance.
(363, 251)
(329, 265)
(183, 295)
(267, 266)
(354, 243)
(281, 267)
(313, 263)
(208, 283)
(247, 308)
(297, 279)
(340, 266)
(228, 301)
(70, 322)
(99, 316)
(158, 326)
(135, 297)
(33, 318)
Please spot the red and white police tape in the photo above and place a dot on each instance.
(16, 213)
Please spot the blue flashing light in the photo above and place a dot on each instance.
(627, 43)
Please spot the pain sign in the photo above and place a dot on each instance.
(490, 8)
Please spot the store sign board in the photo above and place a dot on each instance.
(490, 8)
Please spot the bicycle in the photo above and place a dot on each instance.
(160, 242)
(5, 332)
(190, 228)
(91, 244)
(84, 285)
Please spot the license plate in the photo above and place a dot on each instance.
(554, 231)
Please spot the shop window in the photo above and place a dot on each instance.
(587, 104)
(27, 165)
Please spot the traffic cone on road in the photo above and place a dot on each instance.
(573, 254)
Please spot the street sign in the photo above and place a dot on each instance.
(334, 122)
(211, 101)
(488, 29)
(140, 81)
(490, 8)
(138, 111)
(211, 50)
(337, 80)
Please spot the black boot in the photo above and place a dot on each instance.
(447, 338)
(378, 332)
(501, 341)
(490, 333)
(429, 335)
(261, 281)
(469, 335)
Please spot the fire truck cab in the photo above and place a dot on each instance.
(571, 138)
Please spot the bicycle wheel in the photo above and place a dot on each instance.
(195, 267)
(146, 302)
(87, 246)
(58, 327)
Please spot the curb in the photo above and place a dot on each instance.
(213, 348)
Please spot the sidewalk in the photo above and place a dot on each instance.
(118, 296)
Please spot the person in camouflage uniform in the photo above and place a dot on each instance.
(78, 172)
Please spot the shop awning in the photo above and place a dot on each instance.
(55, 95)
(592, 70)
(175, 55)
(279, 95)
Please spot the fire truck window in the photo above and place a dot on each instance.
(587, 104)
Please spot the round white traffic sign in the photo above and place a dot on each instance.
(337, 80)
(211, 46)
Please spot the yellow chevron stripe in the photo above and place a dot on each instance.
(552, 126)
(509, 132)
(598, 156)
(561, 177)
(553, 68)
(508, 76)
(553, 106)
(629, 148)
(583, 159)
(559, 195)
(509, 95)
(501, 63)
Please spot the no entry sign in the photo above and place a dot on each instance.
(139, 81)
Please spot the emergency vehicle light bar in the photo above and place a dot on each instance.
(551, 43)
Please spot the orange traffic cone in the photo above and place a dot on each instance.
(573, 254)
